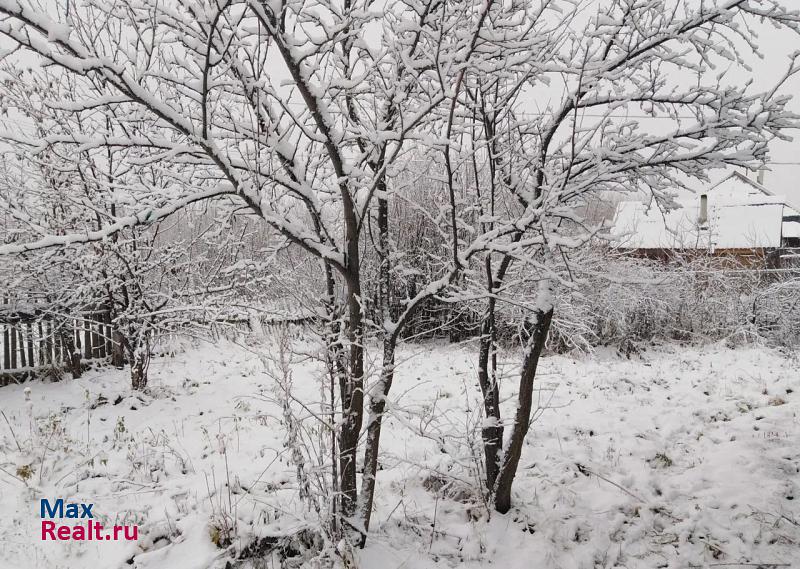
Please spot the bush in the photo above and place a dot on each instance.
(687, 300)
(627, 302)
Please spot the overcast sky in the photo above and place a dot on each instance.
(783, 177)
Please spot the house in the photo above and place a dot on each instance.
(738, 218)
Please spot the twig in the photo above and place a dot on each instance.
(716, 548)
(584, 470)
(10, 428)
(12, 475)
(400, 501)
(433, 525)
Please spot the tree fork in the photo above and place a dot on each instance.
(533, 349)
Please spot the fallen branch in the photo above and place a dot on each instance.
(587, 472)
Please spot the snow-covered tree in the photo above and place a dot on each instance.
(632, 104)
(301, 111)
(148, 279)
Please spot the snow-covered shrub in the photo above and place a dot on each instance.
(690, 300)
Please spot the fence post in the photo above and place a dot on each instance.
(23, 360)
(109, 333)
(29, 328)
(76, 335)
(101, 341)
(37, 338)
(87, 339)
(6, 355)
(13, 346)
(48, 342)
(58, 352)
(41, 343)
(95, 341)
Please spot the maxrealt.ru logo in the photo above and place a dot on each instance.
(87, 530)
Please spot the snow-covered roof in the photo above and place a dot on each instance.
(741, 184)
(741, 214)
(791, 229)
(738, 187)
(729, 226)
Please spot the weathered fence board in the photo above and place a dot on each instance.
(36, 336)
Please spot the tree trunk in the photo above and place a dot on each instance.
(379, 392)
(377, 406)
(337, 373)
(118, 350)
(533, 349)
(492, 431)
(77, 370)
(137, 345)
(352, 386)
(139, 369)
(72, 357)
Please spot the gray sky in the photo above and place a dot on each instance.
(783, 177)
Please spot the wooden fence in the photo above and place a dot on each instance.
(37, 336)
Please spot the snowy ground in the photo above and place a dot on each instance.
(681, 457)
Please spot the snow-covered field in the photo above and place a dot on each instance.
(680, 457)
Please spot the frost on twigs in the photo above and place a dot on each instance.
(429, 169)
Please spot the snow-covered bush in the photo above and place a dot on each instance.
(697, 299)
